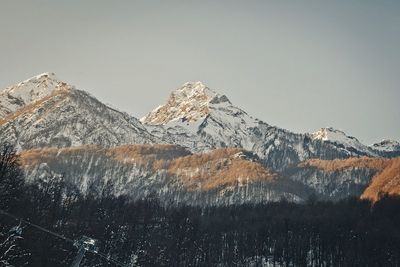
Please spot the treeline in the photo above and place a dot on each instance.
(149, 233)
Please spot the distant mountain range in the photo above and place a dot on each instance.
(198, 148)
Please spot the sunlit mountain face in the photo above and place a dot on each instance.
(198, 148)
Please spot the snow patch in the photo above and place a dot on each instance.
(387, 146)
(338, 137)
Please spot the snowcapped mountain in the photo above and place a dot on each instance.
(189, 103)
(341, 140)
(207, 118)
(24, 93)
(200, 119)
(217, 153)
(44, 111)
(386, 146)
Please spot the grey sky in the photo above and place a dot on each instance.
(300, 65)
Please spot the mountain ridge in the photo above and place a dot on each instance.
(222, 124)
(43, 85)
(45, 112)
(64, 116)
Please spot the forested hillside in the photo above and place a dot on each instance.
(145, 233)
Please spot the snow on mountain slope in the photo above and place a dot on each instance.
(339, 178)
(339, 138)
(220, 177)
(187, 104)
(195, 111)
(46, 112)
(386, 146)
(190, 106)
(201, 119)
(52, 113)
(24, 93)
(366, 177)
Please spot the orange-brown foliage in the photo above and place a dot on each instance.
(146, 151)
(216, 169)
(377, 164)
(155, 156)
(385, 182)
(40, 155)
(31, 107)
(140, 154)
(222, 167)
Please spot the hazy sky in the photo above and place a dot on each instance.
(300, 65)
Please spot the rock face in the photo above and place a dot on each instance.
(46, 112)
(188, 104)
(198, 149)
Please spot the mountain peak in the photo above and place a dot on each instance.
(188, 103)
(387, 145)
(338, 137)
(37, 85)
(193, 91)
(46, 75)
(195, 85)
(43, 77)
(29, 91)
(328, 134)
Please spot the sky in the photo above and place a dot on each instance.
(299, 65)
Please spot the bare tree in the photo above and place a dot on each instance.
(11, 188)
(11, 253)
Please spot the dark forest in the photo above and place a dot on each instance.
(150, 233)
